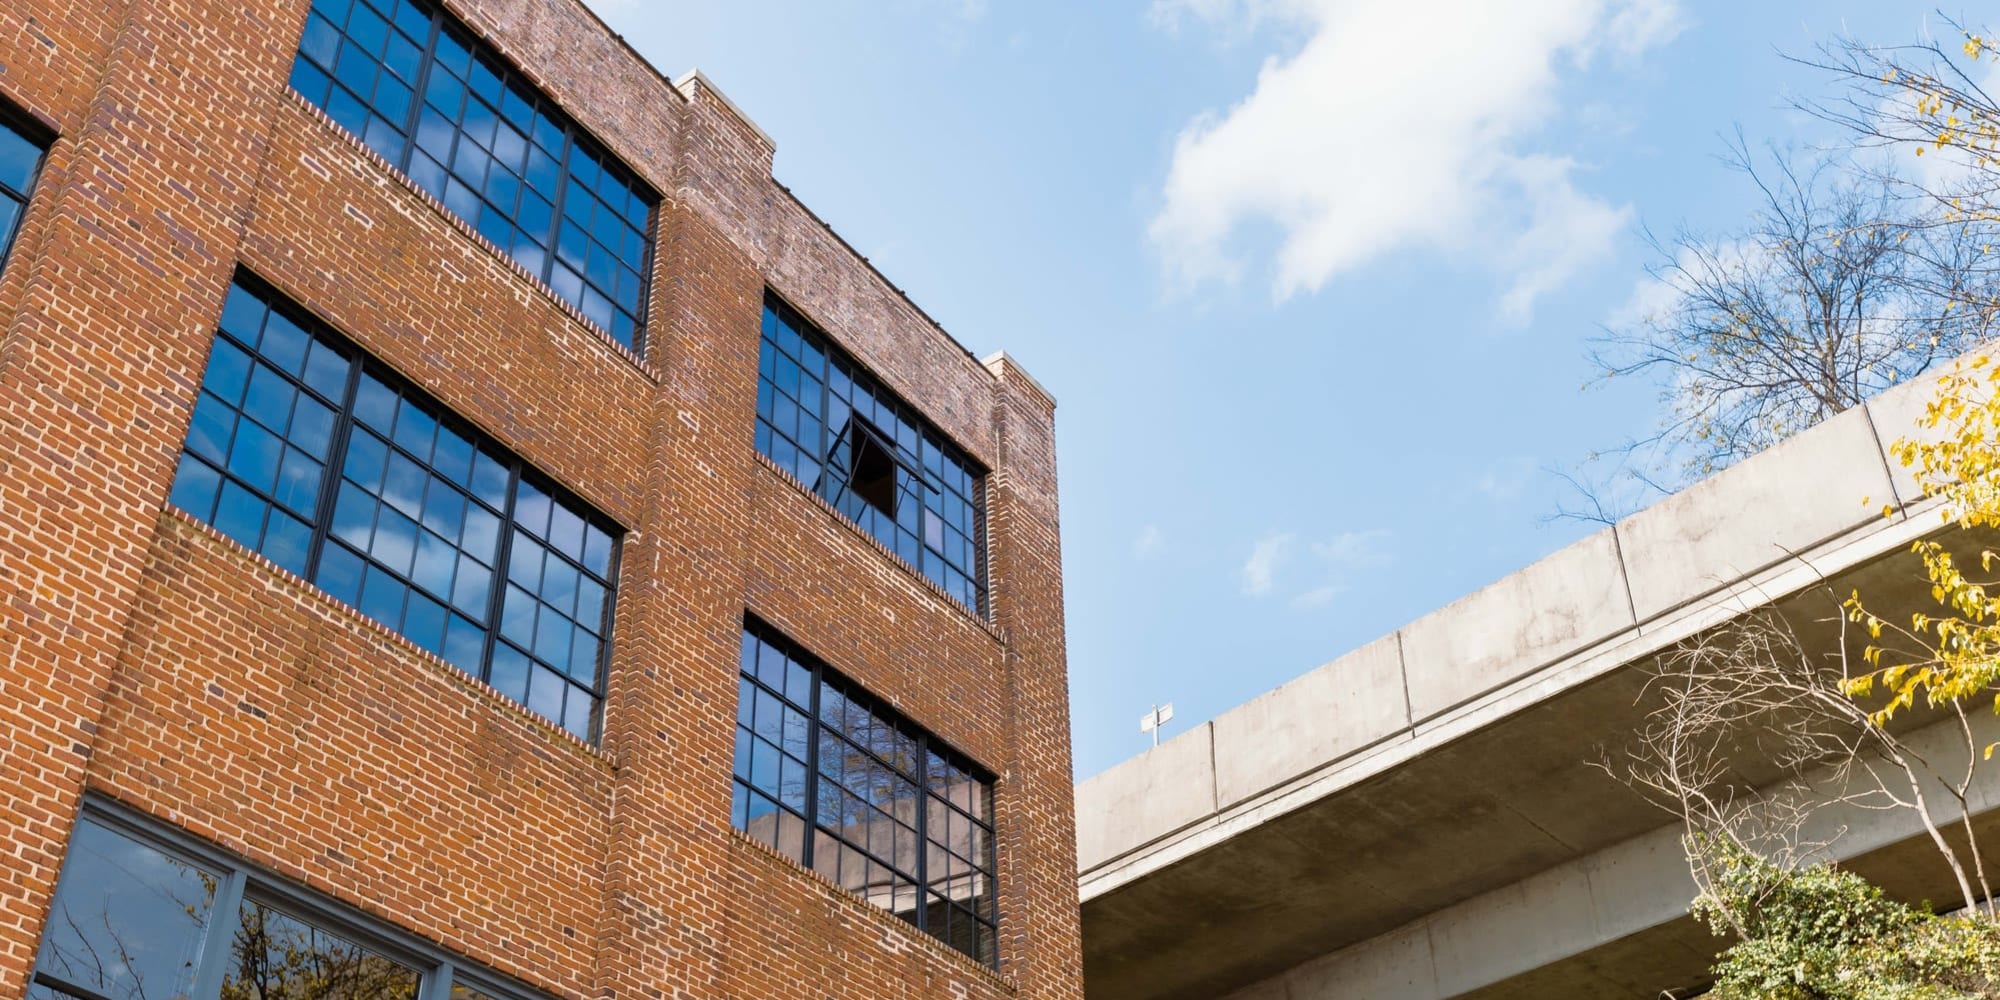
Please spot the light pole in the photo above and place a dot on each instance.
(1159, 716)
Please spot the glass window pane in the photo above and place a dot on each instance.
(453, 456)
(436, 564)
(276, 955)
(590, 605)
(269, 398)
(298, 482)
(210, 430)
(382, 597)
(577, 715)
(482, 534)
(312, 427)
(240, 515)
(310, 81)
(510, 672)
(559, 580)
(128, 921)
(489, 481)
(19, 156)
(395, 542)
(471, 588)
(403, 485)
(552, 639)
(545, 693)
(339, 574)
(195, 485)
(415, 430)
(464, 644)
(287, 540)
(375, 404)
(228, 372)
(424, 623)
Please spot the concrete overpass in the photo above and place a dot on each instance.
(1416, 819)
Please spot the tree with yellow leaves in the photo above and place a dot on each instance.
(1806, 929)
(1927, 96)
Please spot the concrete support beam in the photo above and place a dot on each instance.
(1551, 923)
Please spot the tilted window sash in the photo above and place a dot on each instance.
(816, 408)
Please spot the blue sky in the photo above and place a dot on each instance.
(1313, 280)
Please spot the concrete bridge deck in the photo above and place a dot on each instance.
(1416, 819)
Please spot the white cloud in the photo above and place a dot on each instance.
(1325, 577)
(1394, 127)
(1260, 571)
(1567, 229)
(1148, 541)
(1504, 480)
(1353, 550)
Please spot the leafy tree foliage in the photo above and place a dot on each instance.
(1818, 933)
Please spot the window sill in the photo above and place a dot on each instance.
(899, 562)
(334, 606)
(505, 259)
(848, 897)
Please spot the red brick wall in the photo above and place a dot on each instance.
(145, 658)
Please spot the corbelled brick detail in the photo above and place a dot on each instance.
(148, 659)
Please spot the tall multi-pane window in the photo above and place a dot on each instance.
(20, 160)
(861, 795)
(416, 87)
(305, 450)
(871, 455)
(137, 917)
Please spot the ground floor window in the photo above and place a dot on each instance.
(143, 913)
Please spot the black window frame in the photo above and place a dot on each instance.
(578, 148)
(927, 748)
(239, 882)
(949, 485)
(345, 428)
(36, 134)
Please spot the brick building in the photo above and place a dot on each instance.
(466, 530)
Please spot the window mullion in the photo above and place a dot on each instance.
(608, 624)
(651, 236)
(556, 211)
(496, 602)
(420, 86)
(812, 768)
(437, 982)
(336, 460)
(225, 912)
(923, 826)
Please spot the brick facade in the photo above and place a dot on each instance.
(146, 659)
